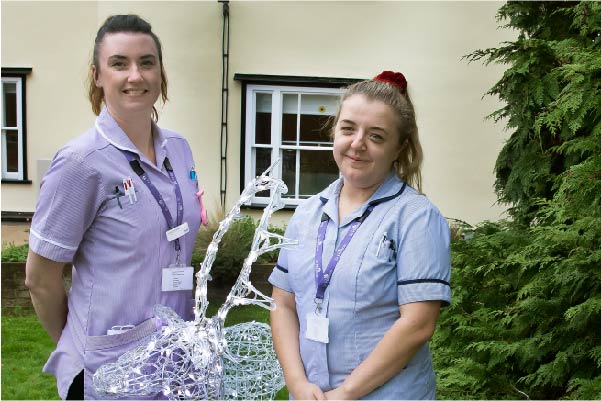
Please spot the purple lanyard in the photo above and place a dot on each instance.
(322, 279)
(135, 165)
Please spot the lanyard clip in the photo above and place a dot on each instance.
(318, 303)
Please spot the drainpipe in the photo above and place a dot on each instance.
(225, 46)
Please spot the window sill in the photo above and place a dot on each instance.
(7, 181)
(258, 206)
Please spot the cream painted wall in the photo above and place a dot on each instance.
(56, 39)
(424, 40)
(53, 39)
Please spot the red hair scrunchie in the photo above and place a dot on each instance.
(395, 78)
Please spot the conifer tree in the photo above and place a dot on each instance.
(555, 40)
(526, 308)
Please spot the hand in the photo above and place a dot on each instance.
(338, 394)
(307, 391)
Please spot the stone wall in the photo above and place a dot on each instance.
(14, 292)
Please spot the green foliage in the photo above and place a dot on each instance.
(233, 249)
(13, 253)
(552, 96)
(525, 311)
(527, 291)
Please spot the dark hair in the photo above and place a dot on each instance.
(408, 164)
(115, 24)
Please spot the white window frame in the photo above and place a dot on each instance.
(276, 145)
(20, 174)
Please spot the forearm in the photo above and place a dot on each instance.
(45, 283)
(392, 353)
(285, 329)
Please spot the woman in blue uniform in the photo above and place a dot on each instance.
(357, 301)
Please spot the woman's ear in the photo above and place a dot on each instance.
(95, 76)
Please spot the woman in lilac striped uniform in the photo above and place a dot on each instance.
(358, 299)
(121, 203)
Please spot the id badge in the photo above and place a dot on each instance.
(317, 328)
(177, 232)
(177, 278)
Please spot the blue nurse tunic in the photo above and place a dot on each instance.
(400, 254)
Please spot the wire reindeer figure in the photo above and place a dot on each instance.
(202, 359)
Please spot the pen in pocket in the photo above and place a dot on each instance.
(117, 194)
(382, 243)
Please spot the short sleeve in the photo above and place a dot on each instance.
(68, 203)
(424, 260)
(279, 276)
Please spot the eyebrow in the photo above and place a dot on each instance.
(121, 57)
(353, 123)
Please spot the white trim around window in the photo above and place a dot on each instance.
(287, 123)
(13, 140)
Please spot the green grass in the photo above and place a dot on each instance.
(26, 347)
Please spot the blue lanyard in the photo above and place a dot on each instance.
(322, 279)
(137, 167)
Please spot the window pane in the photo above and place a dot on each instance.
(289, 118)
(314, 130)
(317, 170)
(316, 112)
(12, 151)
(10, 104)
(263, 119)
(289, 172)
(262, 163)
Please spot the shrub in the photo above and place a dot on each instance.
(14, 253)
(233, 249)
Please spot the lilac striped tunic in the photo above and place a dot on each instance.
(117, 248)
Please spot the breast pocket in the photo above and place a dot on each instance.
(376, 282)
(120, 205)
(126, 216)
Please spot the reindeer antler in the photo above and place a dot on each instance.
(261, 244)
(259, 183)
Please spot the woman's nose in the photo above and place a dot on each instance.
(134, 74)
(358, 140)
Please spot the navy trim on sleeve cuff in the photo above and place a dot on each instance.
(423, 280)
(281, 268)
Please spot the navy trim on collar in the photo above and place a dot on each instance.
(387, 198)
(375, 201)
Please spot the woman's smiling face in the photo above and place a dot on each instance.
(366, 141)
(129, 72)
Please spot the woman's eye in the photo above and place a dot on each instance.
(118, 64)
(147, 63)
(346, 129)
(377, 137)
